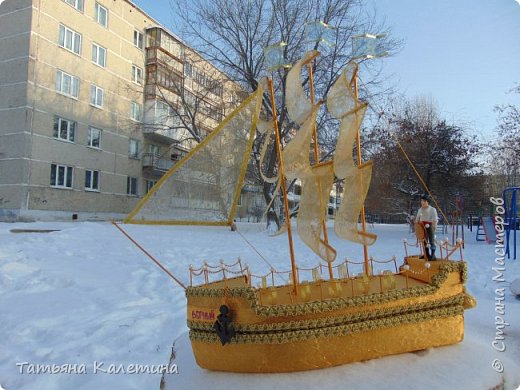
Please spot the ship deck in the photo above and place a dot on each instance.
(323, 290)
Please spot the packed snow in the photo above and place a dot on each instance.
(85, 303)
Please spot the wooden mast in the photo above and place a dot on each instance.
(317, 157)
(360, 161)
(284, 187)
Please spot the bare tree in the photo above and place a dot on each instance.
(233, 33)
(505, 153)
(441, 153)
(186, 92)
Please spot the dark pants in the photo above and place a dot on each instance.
(430, 237)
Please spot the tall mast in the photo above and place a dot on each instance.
(360, 161)
(317, 157)
(283, 185)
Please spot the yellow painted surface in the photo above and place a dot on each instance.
(327, 352)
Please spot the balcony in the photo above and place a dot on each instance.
(166, 137)
(157, 55)
(155, 165)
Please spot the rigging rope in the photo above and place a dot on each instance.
(420, 178)
(149, 255)
(257, 252)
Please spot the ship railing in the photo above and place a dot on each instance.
(448, 249)
(407, 244)
(225, 269)
(445, 248)
(342, 270)
(359, 282)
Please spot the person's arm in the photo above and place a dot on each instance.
(417, 216)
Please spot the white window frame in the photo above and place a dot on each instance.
(132, 186)
(139, 39)
(137, 75)
(97, 96)
(154, 149)
(92, 180)
(136, 111)
(150, 184)
(96, 55)
(70, 129)
(98, 15)
(133, 148)
(78, 4)
(69, 39)
(91, 138)
(67, 84)
(67, 173)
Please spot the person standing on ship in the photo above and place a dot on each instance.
(427, 217)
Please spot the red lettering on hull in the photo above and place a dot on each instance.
(203, 315)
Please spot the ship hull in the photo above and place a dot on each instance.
(326, 352)
(346, 325)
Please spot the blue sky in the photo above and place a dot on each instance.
(463, 53)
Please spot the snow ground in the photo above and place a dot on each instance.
(84, 298)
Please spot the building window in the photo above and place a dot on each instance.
(131, 185)
(91, 180)
(69, 39)
(67, 84)
(61, 176)
(78, 4)
(94, 138)
(153, 149)
(135, 111)
(188, 69)
(133, 148)
(101, 14)
(64, 129)
(162, 111)
(137, 75)
(96, 96)
(138, 39)
(99, 55)
(150, 184)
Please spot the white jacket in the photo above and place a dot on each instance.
(428, 214)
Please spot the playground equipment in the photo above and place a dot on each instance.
(486, 230)
(456, 219)
(511, 219)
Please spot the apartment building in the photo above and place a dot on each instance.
(95, 101)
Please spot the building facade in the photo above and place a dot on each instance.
(95, 102)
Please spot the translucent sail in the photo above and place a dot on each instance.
(316, 184)
(298, 104)
(344, 164)
(316, 181)
(314, 201)
(341, 99)
(204, 187)
(347, 217)
(296, 156)
(343, 105)
(266, 128)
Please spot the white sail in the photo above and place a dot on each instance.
(299, 106)
(204, 187)
(316, 180)
(343, 104)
